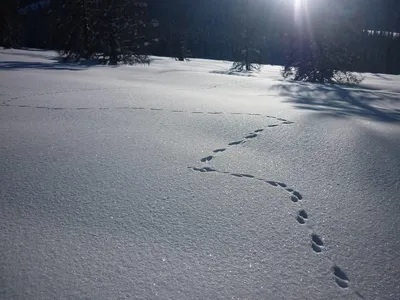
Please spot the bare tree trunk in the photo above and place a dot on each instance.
(247, 50)
(182, 48)
(247, 38)
(183, 39)
(113, 51)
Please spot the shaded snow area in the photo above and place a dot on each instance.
(180, 180)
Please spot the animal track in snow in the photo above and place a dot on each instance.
(219, 150)
(341, 278)
(248, 175)
(205, 159)
(215, 112)
(316, 243)
(7, 103)
(235, 143)
(294, 198)
(251, 136)
(302, 216)
(295, 195)
(236, 175)
(203, 170)
(298, 195)
(209, 169)
(241, 175)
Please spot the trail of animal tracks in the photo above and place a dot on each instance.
(176, 182)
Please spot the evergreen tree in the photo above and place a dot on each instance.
(74, 27)
(329, 39)
(247, 53)
(110, 30)
(324, 49)
(125, 31)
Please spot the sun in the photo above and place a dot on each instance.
(298, 8)
(301, 9)
(298, 3)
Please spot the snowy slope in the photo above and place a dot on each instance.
(179, 181)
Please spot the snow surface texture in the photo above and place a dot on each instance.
(183, 181)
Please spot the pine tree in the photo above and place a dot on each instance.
(247, 53)
(182, 40)
(324, 49)
(74, 21)
(111, 30)
(125, 31)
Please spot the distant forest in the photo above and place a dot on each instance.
(212, 29)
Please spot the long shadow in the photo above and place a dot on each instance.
(342, 102)
(381, 76)
(32, 53)
(18, 65)
(231, 72)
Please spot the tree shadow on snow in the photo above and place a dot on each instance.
(232, 72)
(18, 65)
(381, 76)
(342, 101)
(32, 53)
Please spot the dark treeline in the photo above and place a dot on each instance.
(262, 31)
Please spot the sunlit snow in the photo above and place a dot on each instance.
(182, 180)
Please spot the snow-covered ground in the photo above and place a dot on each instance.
(179, 181)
